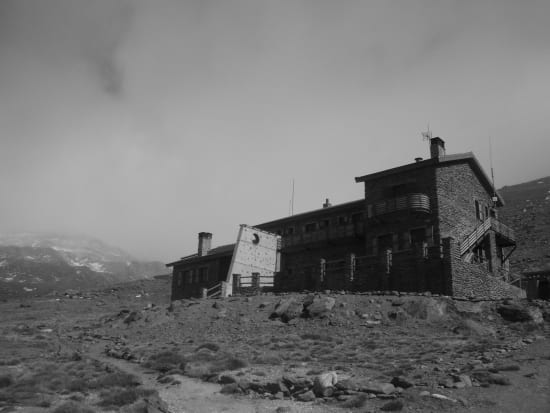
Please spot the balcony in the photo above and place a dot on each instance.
(411, 202)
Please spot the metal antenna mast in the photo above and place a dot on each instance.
(492, 171)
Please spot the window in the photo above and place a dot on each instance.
(324, 223)
(486, 212)
(290, 231)
(478, 209)
(385, 242)
(357, 217)
(310, 227)
(187, 277)
(369, 211)
(180, 278)
(203, 274)
(418, 236)
(342, 220)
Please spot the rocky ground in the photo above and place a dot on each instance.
(129, 349)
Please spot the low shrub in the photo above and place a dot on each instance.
(166, 361)
(117, 397)
(5, 380)
(117, 379)
(268, 359)
(73, 407)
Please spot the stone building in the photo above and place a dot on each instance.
(431, 225)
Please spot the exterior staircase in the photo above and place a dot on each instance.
(477, 235)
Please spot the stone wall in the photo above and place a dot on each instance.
(458, 188)
(474, 280)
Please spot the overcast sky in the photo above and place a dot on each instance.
(144, 122)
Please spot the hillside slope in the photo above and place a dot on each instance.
(527, 211)
(39, 263)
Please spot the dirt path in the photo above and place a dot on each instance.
(196, 396)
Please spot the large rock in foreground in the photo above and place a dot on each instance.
(515, 312)
(287, 309)
(319, 306)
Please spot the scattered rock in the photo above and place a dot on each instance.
(226, 379)
(324, 383)
(495, 378)
(442, 397)
(402, 382)
(504, 367)
(308, 396)
(376, 387)
(133, 316)
(355, 401)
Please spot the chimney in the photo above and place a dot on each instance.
(419, 159)
(205, 243)
(327, 204)
(437, 147)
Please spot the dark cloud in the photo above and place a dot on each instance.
(64, 32)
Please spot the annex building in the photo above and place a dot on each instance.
(431, 225)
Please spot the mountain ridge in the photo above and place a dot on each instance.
(38, 263)
(527, 211)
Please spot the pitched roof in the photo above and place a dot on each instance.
(213, 253)
(467, 157)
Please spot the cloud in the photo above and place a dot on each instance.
(145, 122)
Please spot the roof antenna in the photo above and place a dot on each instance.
(494, 198)
(427, 136)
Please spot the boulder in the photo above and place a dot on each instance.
(287, 309)
(230, 388)
(308, 396)
(376, 387)
(518, 313)
(324, 383)
(402, 382)
(320, 306)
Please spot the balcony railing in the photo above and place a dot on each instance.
(412, 202)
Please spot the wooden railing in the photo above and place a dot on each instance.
(215, 291)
